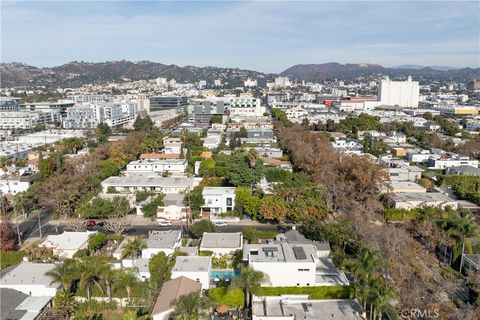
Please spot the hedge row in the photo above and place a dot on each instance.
(323, 292)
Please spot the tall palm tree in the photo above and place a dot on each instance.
(249, 281)
(363, 266)
(108, 275)
(90, 270)
(191, 306)
(125, 280)
(133, 248)
(65, 273)
(382, 293)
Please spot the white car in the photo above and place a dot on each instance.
(220, 224)
(165, 223)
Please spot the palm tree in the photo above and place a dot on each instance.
(249, 281)
(363, 266)
(64, 301)
(90, 270)
(125, 280)
(381, 293)
(65, 273)
(133, 248)
(191, 306)
(108, 275)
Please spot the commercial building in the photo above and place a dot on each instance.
(89, 116)
(205, 109)
(162, 103)
(9, 104)
(222, 243)
(59, 106)
(162, 241)
(196, 268)
(246, 107)
(399, 93)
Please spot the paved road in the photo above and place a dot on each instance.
(29, 228)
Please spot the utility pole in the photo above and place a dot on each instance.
(40, 224)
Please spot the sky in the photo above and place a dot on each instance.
(267, 36)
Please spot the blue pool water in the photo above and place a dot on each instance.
(224, 274)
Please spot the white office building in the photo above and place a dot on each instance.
(402, 93)
(89, 116)
(246, 107)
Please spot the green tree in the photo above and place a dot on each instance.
(192, 306)
(108, 168)
(273, 208)
(199, 227)
(249, 281)
(103, 131)
(245, 168)
(65, 273)
(194, 199)
(96, 241)
(126, 281)
(159, 271)
(216, 119)
(133, 249)
(89, 269)
(64, 302)
(143, 123)
(246, 202)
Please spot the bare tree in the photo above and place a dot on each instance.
(117, 226)
(76, 225)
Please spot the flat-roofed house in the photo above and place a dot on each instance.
(162, 241)
(303, 263)
(221, 243)
(418, 200)
(30, 278)
(294, 307)
(68, 243)
(157, 165)
(173, 207)
(196, 268)
(218, 200)
(149, 182)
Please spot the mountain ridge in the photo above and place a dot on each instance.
(76, 73)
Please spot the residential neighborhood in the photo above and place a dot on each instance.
(134, 189)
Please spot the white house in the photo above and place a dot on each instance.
(196, 268)
(172, 145)
(346, 144)
(212, 141)
(222, 243)
(173, 290)
(30, 278)
(157, 165)
(454, 161)
(288, 264)
(218, 199)
(149, 182)
(405, 173)
(162, 241)
(295, 307)
(66, 244)
(417, 200)
(14, 184)
(173, 208)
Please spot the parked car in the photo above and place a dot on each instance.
(220, 224)
(165, 223)
(90, 223)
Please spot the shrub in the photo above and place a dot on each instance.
(10, 258)
(228, 296)
(324, 292)
(199, 227)
(96, 241)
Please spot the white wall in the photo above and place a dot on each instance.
(202, 277)
(286, 274)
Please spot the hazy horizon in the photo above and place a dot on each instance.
(256, 35)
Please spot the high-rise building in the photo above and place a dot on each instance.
(399, 93)
(473, 85)
(161, 103)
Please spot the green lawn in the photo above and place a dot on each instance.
(327, 292)
(228, 296)
(10, 258)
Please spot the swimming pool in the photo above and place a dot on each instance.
(224, 274)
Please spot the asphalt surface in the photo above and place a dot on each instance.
(29, 228)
